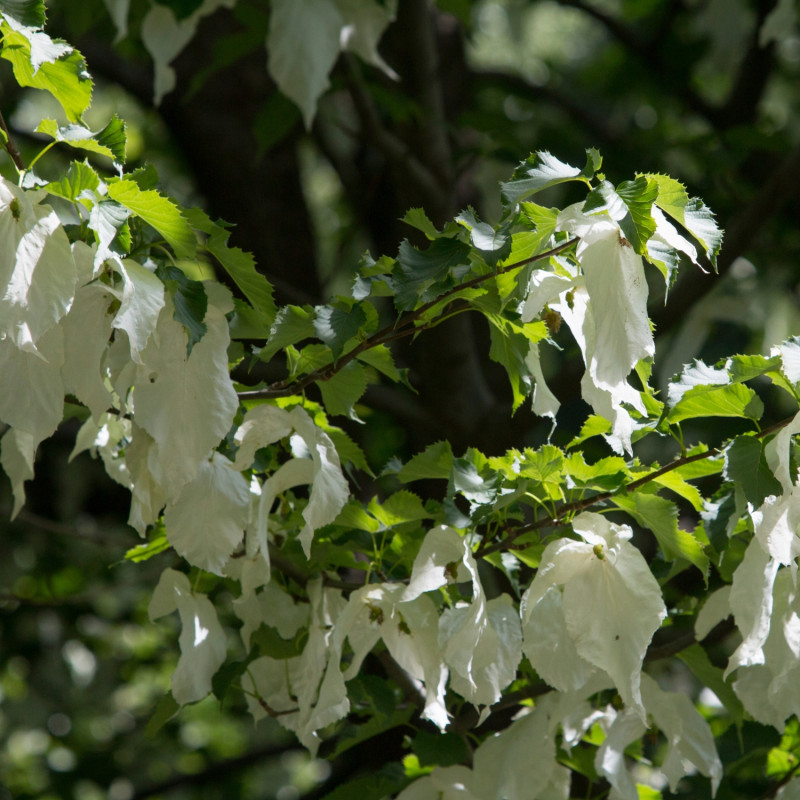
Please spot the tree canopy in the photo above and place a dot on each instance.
(398, 348)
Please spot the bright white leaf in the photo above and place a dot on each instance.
(543, 288)
(751, 603)
(329, 492)
(202, 639)
(789, 352)
(148, 495)
(778, 453)
(482, 645)
(44, 50)
(261, 426)
(38, 409)
(37, 271)
(548, 644)
(186, 404)
(444, 783)
(205, 523)
(409, 630)
(612, 604)
(695, 374)
(17, 453)
(439, 561)
(716, 608)
(689, 738)
(770, 691)
(87, 329)
(776, 523)
(545, 403)
(141, 301)
(609, 762)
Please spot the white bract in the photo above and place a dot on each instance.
(611, 606)
(202, 639)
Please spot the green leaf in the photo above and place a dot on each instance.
(494, 245)
(604, 475)
(509, 349)
(733, 400)
(63, 73)
(343, 390)
(157, 544)
(241, 266)
(274, 121)
(190, 301)
(80, 177)
(157, 211)
(746, 465)
(435, 461)
(402, 506)
(270, 643)
(673, 481)
(109, 221)
(417, 218)
(381, 359)
(421, 269)
(473, 480)
(696, 658)
(439, 749)
(292, 324)
(539, 171)
(637, 197)
(230, 673)
(692, 213)
(336, 325)
(745, 368)
(377, 785)
(109, 142)
(660, 516)
(594, 426)
(166, 709)
(30, 13)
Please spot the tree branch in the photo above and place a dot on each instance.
(403, 327)
(10, 147)
(566, 510)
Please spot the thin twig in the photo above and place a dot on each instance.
(398, 330)
(11, 148)
(568, 509)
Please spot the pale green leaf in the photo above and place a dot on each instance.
(241, 266)
(42, 63)
(158, 211)
(539, 171)
(344, 389)
(660, 516)
(30, 13)
(436, 461)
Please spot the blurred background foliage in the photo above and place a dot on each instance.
(705, 90)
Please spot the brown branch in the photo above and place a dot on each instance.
(566, 510)
(403, 327)
(11, 148)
